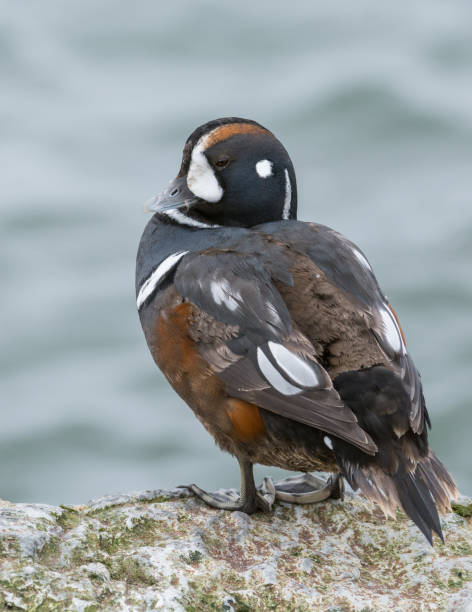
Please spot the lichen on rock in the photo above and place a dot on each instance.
(164, 550)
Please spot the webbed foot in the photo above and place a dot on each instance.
(304, 489)
(251, 499)
(309, 489)
(259, 499)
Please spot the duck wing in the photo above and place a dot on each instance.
(348, 271)
(261, 357)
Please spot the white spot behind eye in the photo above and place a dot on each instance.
(288, 196)
(264, 168)
(201, 179)
(328, 442)
(155, 278)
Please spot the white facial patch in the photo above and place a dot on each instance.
(201, 179)
(264, 168)
(273, 376)
(150, 284)
(295, 367)
(222, 293)
(391, 331)
(288, 196)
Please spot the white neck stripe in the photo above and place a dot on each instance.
(150, 284)
(182, 219)
(288, 196)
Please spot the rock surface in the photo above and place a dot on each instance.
(163, 550)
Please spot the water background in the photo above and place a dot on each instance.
(372, 100)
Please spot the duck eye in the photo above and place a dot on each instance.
(222, 162)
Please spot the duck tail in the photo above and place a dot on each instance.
(420, 489)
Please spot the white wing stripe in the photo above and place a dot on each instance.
(155, 278)
(298, 369)
(392, 333)
(222, 293)
(362, 259)
(273, 376)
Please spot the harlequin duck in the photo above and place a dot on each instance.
(277, 335)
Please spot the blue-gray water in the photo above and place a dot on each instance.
(372, 100)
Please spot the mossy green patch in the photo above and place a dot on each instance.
(194, 557)
(160, 499)
(132, 571)
(239, 603)
(50, 551)
(68, 519)
(462, 548)
(270, 597)
(461, 510)
(205, 596)
(458, 578)
(87, 549)
(9, 547)
(200, 598)
(49, 605)
(109, 543)
(145, 529)
(231, 580)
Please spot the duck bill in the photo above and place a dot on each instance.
(175, 197)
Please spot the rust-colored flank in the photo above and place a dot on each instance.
(246, 419)
(176, 349)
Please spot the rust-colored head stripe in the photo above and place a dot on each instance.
(231, 129)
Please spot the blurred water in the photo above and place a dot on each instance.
(374, 103)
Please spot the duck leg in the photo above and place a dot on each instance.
(250, 500)
(308, 489)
